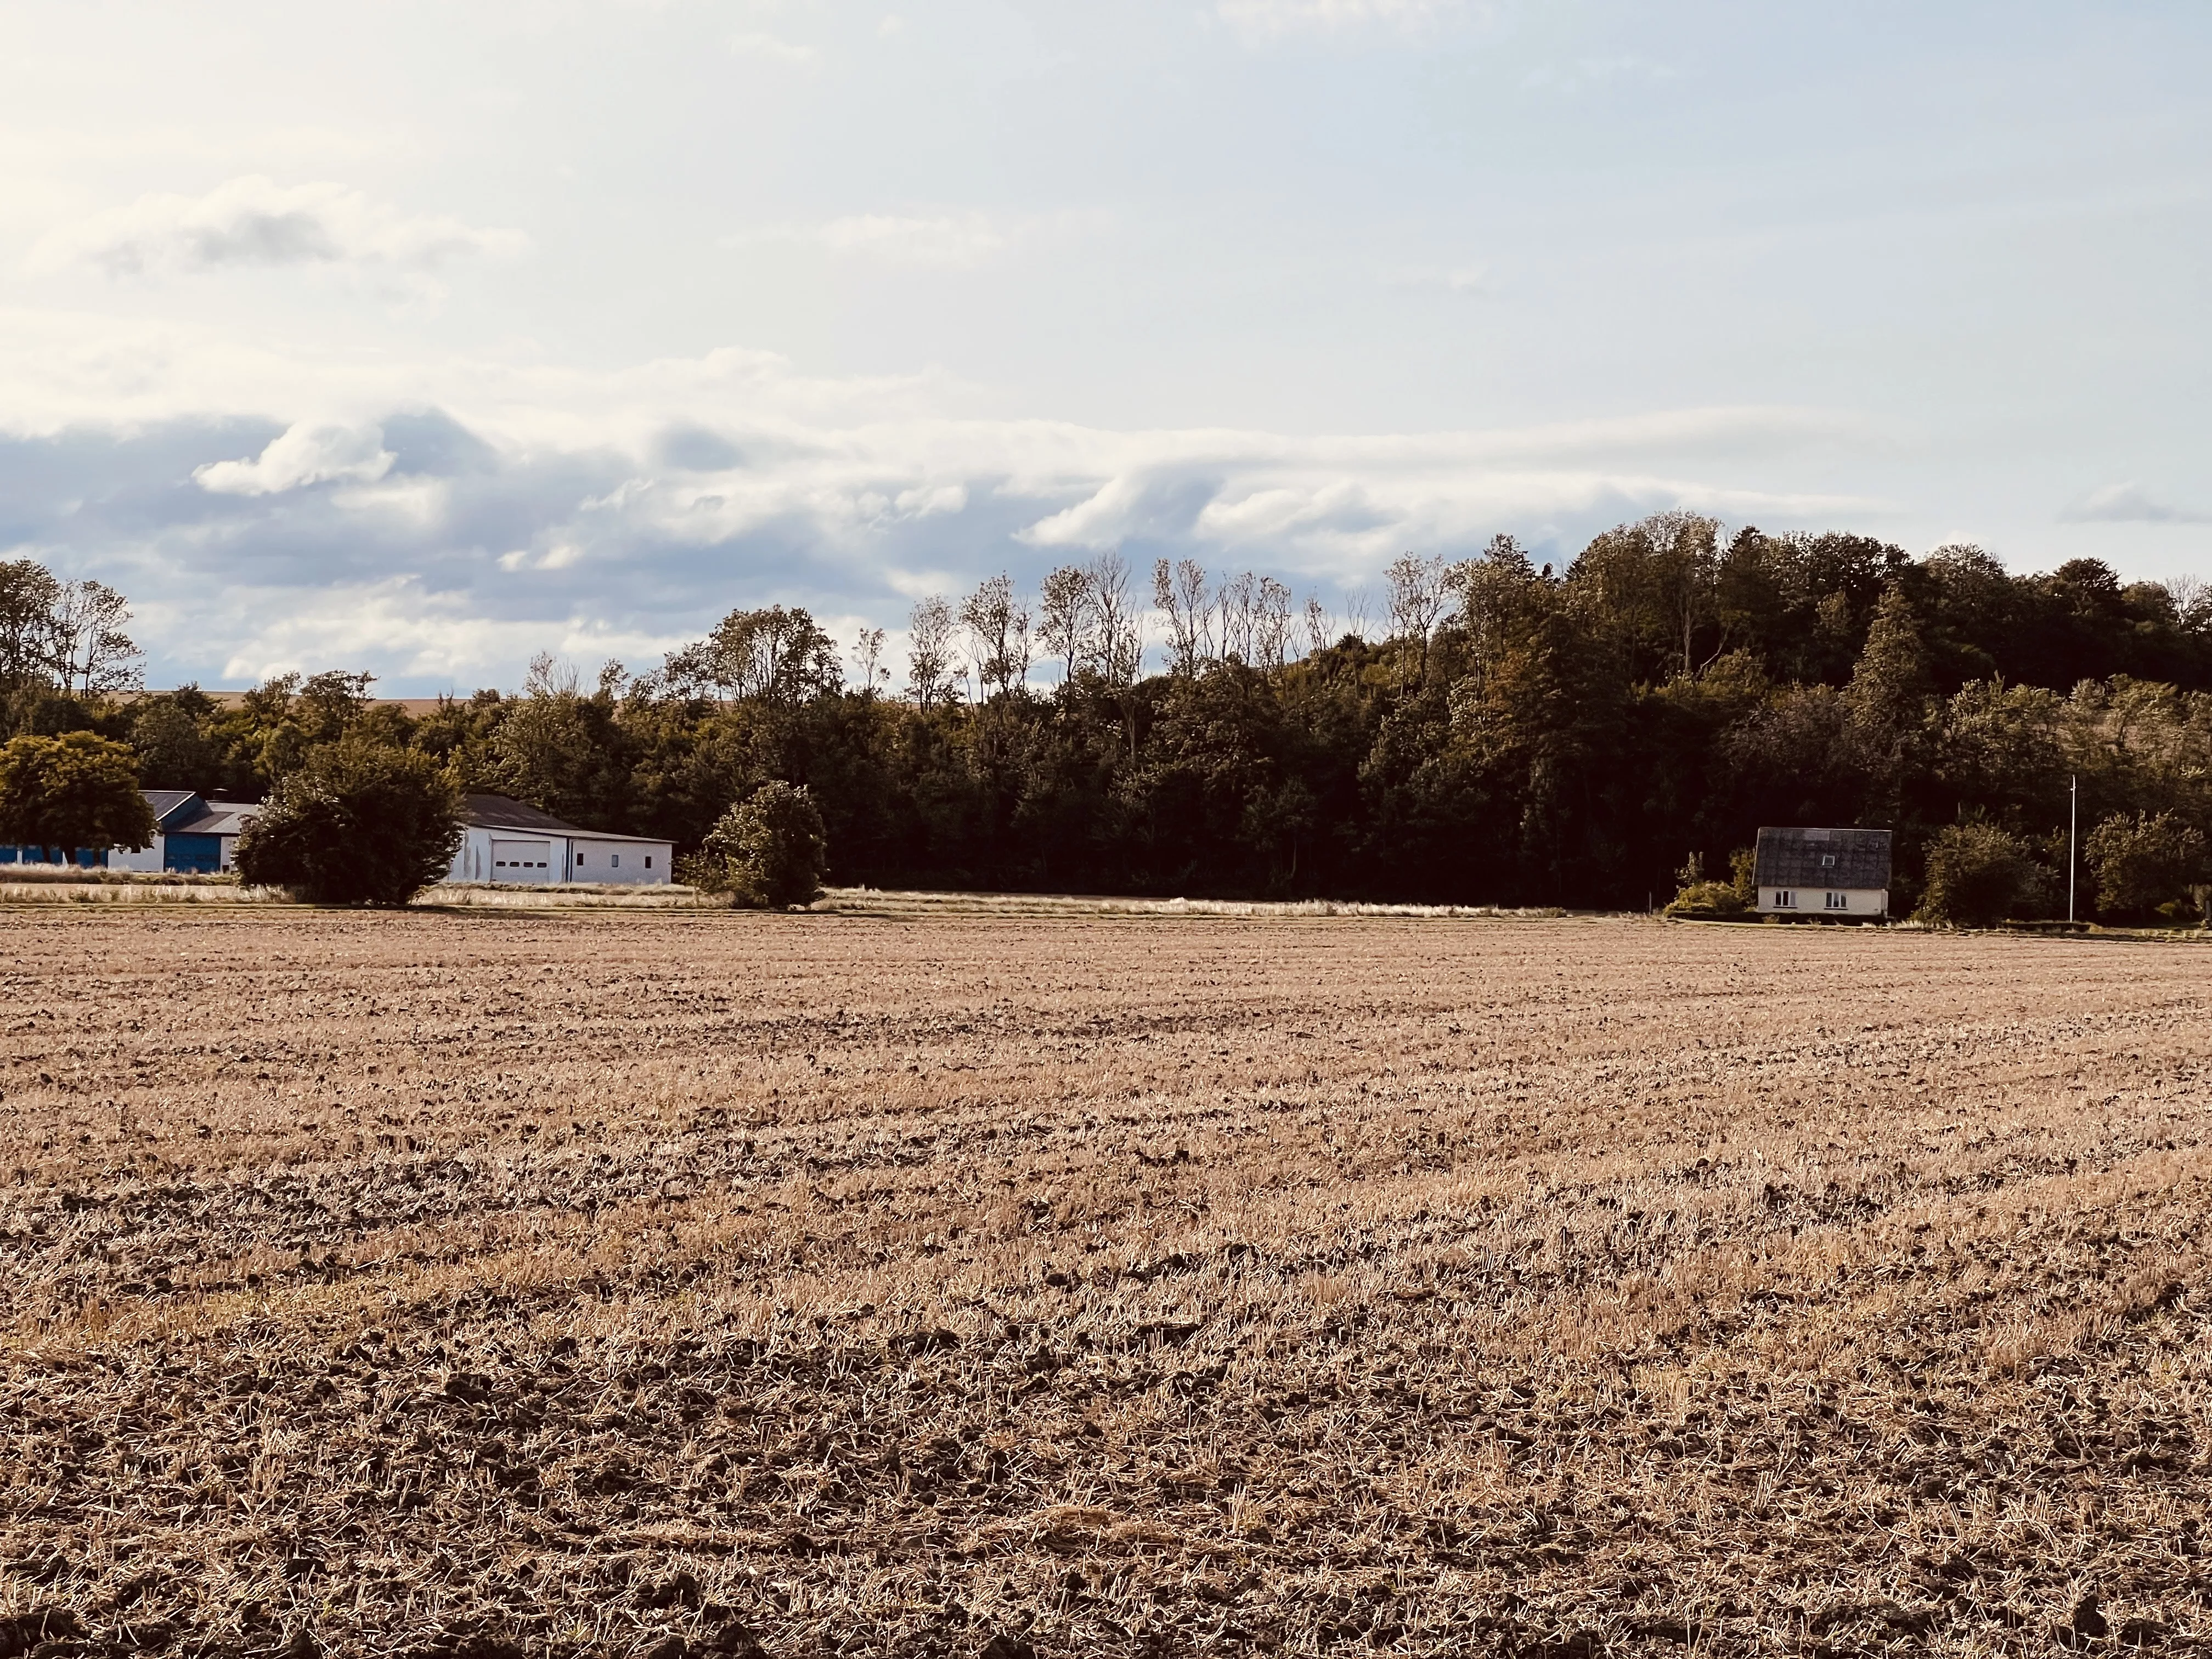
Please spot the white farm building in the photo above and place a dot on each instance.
(509, 842)
(191, 834)
(1842, 874)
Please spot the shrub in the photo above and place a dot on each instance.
(1708, 900)
(74, 791)
(356, 822)
(1701, 900)
(767, 852)
(1977, 874)
(2144, 865)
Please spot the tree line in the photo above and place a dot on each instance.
(1600, 735)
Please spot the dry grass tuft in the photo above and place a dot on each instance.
(125, 887)
(568, 896)
(871, 901)
(456, 1283)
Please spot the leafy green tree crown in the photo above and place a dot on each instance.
(74, 791)
(355, 822)
(1978, 874)
(768, 851)
(2144, 862)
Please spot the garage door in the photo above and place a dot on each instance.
(522, 860)
(201, 854)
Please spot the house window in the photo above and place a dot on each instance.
(1840, 901)
(616, 861)
(1784, 899)
(1827, 861)
(648, 860)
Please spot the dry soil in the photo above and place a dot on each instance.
(483, 1284)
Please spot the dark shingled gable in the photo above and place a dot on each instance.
(1822, 858)
(499, 813)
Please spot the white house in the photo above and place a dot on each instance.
(509, 842)
(190, 834)
(1843, 874)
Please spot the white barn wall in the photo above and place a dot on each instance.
(545, 859)
(619, 863)
(146, 858)
(154, 858)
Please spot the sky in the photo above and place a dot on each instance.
(423, 338)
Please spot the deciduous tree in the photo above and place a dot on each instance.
(998, 627)
(2143, 862)
(776, 654)
(929, 664)
(767, 852)
(1978, 874)
(355, 822)
(1066, 626)
(73, 793)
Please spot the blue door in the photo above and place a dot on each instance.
(200, 855)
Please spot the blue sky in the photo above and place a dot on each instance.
(421, 338)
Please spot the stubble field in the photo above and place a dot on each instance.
(483, 1286)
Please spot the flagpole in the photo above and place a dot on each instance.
(2073, 819)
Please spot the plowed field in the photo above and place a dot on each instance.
(495, 1285)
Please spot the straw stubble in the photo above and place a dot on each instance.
(476, 1285)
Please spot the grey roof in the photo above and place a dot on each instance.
(166, 802)
(218, 817)
(499, 813)
(1822, 858)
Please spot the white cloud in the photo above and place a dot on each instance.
(305, 455)
(945, 243)
(1109, 517)
(773, 47)
(2128, 503)
(560, 555)
(253, 221)
(1263, 18)
(418, 503)
(538, 493)
(1314, 513)
(925, 501)
(1452, 279)
(409, 631)
(922, 584)
(1593, 72)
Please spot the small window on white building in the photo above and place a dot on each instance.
(1784, 899)
(648, 860)
(616, 861)
(1840, 901)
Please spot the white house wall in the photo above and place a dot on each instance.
(1814, 901)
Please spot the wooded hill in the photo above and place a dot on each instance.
(1509, 735)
